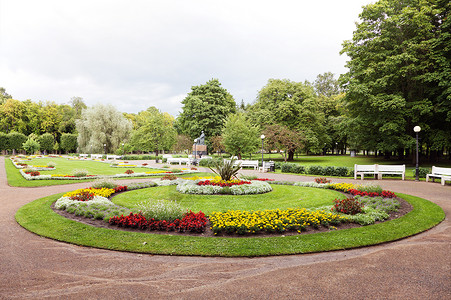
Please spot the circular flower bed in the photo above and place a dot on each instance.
(238, 188)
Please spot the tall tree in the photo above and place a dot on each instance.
(326, 85)
(102, 124)
(393, 81)
(205, 108)
(280, 137)
(239, 135)
(294, 105)
(47, 141)
(4, 95)
(155, 131)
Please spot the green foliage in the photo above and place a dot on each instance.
(69, 142)
(4, 141)
(47, 142)
(31, 146)
(99, 125)
(294, 105)
(370, 188)
(162, 210)
(155, 131)
(422, 172)
(239, 136)
(16, 140)
(225, 169)
(399, 75)
(79, 172)
(205, 108)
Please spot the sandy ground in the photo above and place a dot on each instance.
(32, 267)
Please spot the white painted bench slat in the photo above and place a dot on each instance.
(379, 170)
(443, 173)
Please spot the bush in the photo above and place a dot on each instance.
(129, 172)
(104, 183)
(422, 172)
(298, 169)
(341, 171)
(79, 173)
(370, 188)
(162, 210)
(349, 206)
(287, 168)
(316, 170)
(322, 180)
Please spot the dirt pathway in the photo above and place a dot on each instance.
(32, 267)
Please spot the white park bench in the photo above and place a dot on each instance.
(113, 157)
(178, 160)
(443, 173)
(379, 170)
(83, 155)
(96, 156)
(248, 163)
(266, 166)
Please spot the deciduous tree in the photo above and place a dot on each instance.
(239, 135)
(102, 124)
(205, 109)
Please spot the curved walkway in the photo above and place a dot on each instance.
(32, 267)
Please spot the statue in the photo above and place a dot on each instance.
(201, 139)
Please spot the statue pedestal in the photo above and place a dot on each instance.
(199, 150)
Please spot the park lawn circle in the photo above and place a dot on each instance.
(282, 197)
(38, 217)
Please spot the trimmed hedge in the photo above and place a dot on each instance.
(317, 170)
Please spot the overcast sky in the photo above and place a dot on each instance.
(136, 54)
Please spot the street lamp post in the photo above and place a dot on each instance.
(104, 148)
(195, 149)
(336, 146)
(262, 137)
(91, 151)
(123, 149)
(417, 170)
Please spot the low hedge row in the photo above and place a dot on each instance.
(317, 170)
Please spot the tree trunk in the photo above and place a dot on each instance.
(290, 155)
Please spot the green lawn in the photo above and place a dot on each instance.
(281, 197)
(65, 166)
(38, 217)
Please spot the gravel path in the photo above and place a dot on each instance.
(32, 267)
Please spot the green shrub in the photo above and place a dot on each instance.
(328, 171)
(422, 172)
(370, 188)
(298, 169)
(79, 173)
(104, 183)
(316, 170)
(162, 210)
(341, 171)
(287, 168)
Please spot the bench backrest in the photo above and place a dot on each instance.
(249, 162)
(364, 168)
(441, 171)
(391, 168)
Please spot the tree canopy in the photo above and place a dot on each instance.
(399, 74)
(102, 124)
(205, 108)
(239, 136)
(154, 131)
(294, 105)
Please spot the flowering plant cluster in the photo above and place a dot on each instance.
(120, 188)
(191, 222)
(32, 172)
(263, 179)
(322, 180)
(223, 183)
(83, 196)
(103, 192)
(129, 172)
(349, 206)
(276, 220)
(169, 177)
(71, 176)
(344, 187)
(385, 194)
